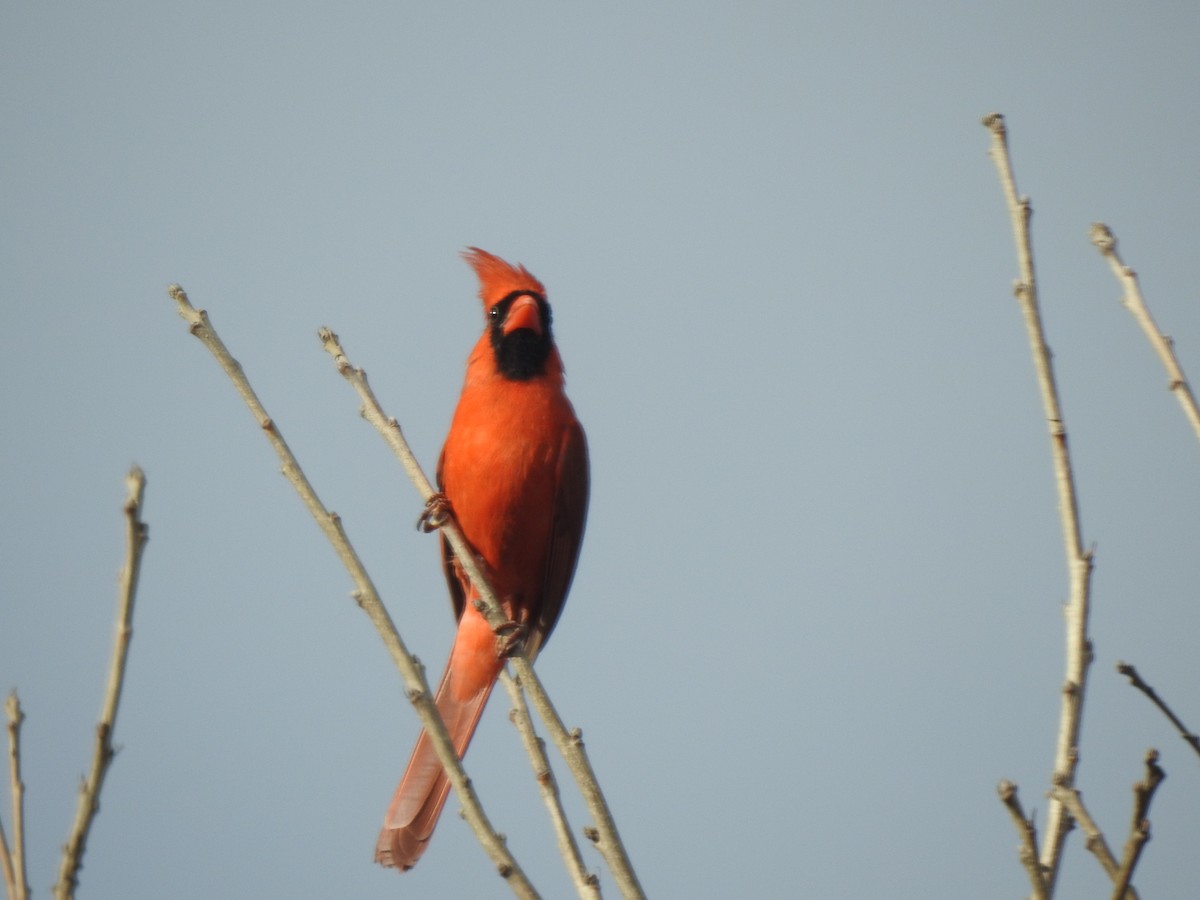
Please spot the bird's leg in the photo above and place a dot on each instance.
(437, 512)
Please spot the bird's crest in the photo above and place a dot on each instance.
(498, 279)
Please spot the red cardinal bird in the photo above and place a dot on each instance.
(515, 472)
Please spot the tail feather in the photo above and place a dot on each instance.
(418, 801)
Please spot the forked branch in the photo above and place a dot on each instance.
(587, 885)
(1139, 828)
(1095, 842)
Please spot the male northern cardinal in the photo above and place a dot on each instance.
(514, 470)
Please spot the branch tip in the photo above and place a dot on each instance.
(1136, 304)
(1101, 235)
(1189, 737)
(12, 708)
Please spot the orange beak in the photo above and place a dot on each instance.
(524, 313)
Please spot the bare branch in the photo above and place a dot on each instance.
(1028, 832)
(604, 835)
(1131, 673)
(15, 878)
(1138, 839)
(1073, 801)
(6, 865)
(1079, 561)
(568, 743)
(368, 598)
(1106, 243)
(136, 535)
(1143, 791)
(1139, 829)
(586, 884)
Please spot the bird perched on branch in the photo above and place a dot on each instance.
(514, 474)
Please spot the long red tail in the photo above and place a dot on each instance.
(464, 690)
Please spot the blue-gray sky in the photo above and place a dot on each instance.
(817, 614)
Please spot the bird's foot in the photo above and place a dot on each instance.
(436, 513)
(510, 637)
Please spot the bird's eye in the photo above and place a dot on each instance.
(494, 312)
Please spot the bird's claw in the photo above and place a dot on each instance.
(436, 513)
(510, 637)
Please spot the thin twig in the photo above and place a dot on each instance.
(1192, 739)
(368, 598)
(569, 743)
(1028, 853)
(1139, 828)
(586, 884)
(136, 535)
(1079, 561)
(1106, 242)
(6, 864)
(604, 835)
(16, 879)
(1073, 801)
(1138, 838)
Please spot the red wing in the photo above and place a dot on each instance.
(570, 515)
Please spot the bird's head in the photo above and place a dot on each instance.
(518, 315)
